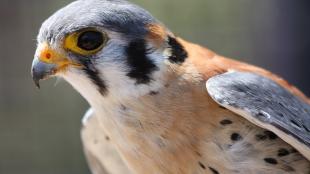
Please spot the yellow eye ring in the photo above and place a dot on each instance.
(86, 42)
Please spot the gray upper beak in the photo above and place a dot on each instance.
(41, 71)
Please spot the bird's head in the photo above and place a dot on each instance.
(105, 47)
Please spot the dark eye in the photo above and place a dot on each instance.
(90, 40)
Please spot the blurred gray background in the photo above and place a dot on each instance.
(39, 130)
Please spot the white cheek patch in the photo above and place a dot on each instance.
(79, 80)
(120, 86)
(114, 69)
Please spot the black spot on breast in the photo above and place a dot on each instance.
(198, 153)
(214, 171)
(236, 137)
(202, 165)
(123, 107)
(141, 66)
(154, 93)
(226, 122)
(271, 161)
(293, 150)
(107, 138)
(283, 152)
(178, 53)
(270, 135)
(260, 137)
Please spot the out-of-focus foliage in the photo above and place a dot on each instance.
(39, 130)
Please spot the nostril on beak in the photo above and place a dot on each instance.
(48, 55)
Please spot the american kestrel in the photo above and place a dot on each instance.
(162, 105)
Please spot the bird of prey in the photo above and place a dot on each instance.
(162, 105)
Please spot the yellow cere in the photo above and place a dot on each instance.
(48, 55)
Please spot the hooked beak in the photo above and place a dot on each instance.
(41, 70)
(47, 63)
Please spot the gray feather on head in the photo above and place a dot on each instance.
(114, 15)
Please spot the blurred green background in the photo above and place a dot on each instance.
(39, 130)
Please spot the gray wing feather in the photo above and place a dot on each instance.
(265, 103)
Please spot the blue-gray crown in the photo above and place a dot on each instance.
(115, 15)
